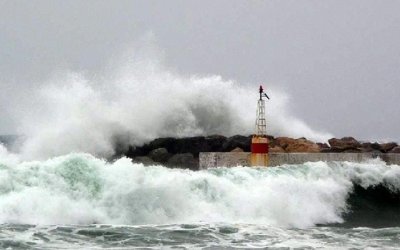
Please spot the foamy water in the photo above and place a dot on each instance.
(54, 204)
(81, 189)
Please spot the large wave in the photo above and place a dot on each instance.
(138, 99)
(82, 189)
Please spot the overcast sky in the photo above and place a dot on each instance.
(338, 60)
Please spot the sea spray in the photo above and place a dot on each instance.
(138, 100)
(82, 189)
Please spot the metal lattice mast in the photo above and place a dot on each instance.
(261, 123)
(259, 143)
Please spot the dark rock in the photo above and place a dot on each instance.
(159, 155)
(185, 160)
(193, 145)
(215, 143)
(144, 159)
(323, 146)
(330, 150)
(344, 144)
(134, 151)
(352, 150)
(386, 147)
(271, 140)
(237, 141)
(368, 147)
(375, 146)
(395, 150)
(167, 143)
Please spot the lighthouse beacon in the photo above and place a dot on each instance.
(259, 142)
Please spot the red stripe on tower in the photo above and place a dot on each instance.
(259, 148)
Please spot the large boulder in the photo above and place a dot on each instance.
(283, 142)
(185, 160)
(386, 147)
(134, 151)
(167, 143)
(302, 145)
(395, 150)
(215, 143)
(159, 155)
(144, 160)
(237, 141)
(368, 147)
(348, 144)
(192, 145)
(323, 145)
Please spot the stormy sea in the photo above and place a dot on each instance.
(78, 201)
(61, 188)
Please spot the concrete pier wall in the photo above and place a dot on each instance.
(231, 159)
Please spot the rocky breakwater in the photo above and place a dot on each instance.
(184, 152)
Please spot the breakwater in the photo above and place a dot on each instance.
(233, 159)
(191, 152)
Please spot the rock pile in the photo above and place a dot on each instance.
(184, 152)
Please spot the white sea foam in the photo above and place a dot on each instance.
(137, 100)
(81, 189)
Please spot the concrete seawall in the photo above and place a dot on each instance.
(231, 159)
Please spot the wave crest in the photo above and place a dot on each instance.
(81, 189)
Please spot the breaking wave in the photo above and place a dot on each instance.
(82, 189)
(136, 100)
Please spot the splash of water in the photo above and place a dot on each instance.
(139, 100)
(82, 189)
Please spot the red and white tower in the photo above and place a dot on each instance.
(259, 142)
